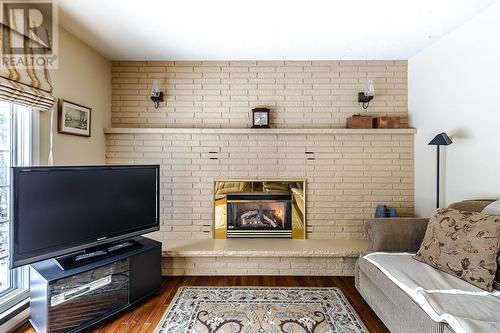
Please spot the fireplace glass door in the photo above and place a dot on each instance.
(259, 215)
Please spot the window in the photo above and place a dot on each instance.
(18, 138)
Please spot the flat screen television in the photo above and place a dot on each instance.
(61, 210)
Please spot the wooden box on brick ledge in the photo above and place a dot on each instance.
(387, 122)
(358, 121)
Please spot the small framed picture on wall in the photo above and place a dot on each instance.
(73, 118)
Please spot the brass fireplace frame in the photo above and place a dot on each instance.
(296, 187)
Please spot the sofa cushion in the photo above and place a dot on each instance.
(465, 307)
(480, 206)
(492, 209)
(464, 244)
(471, 205)
(402, 234)
(391, 303)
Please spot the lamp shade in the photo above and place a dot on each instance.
(155, 89)
(369, 90)
(442, 139)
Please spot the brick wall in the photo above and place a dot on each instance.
(222, 93)
(350, 175)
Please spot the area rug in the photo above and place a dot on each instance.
(260, 310)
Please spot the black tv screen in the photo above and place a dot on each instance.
(59, 210)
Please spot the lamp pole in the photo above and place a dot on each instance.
(442, 139)
(437, 178)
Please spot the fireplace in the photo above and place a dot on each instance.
(259, 208)
(259, 215)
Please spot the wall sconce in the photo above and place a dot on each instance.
(367, 95)
(156, 94)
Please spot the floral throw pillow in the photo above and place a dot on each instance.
(463, 244)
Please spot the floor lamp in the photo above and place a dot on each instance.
(441, 139)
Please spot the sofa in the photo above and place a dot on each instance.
(399, 312)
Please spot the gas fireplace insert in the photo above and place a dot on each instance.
(259, 215)
(259, 208)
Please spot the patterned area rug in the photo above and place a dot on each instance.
(260, 310)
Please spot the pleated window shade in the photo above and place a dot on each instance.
(18, 93)
(23, 84)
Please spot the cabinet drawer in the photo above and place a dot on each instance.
(77, 299)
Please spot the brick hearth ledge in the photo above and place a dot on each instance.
(261, 257)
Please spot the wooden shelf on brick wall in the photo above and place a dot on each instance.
(172, 130)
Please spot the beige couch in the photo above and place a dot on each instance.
(393, 306)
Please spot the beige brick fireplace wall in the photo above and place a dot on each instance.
(222, 93)
(347, 173)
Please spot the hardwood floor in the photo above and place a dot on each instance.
(144, 317)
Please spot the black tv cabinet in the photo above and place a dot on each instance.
(75, 299)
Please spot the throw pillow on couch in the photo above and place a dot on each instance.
(463, 244)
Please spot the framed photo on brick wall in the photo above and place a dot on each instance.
(73, 118)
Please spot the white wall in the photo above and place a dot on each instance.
(83, 77)
(454, 86)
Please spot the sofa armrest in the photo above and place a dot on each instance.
(395, 234)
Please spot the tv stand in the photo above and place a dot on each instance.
(74, 299)
(94, 254)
